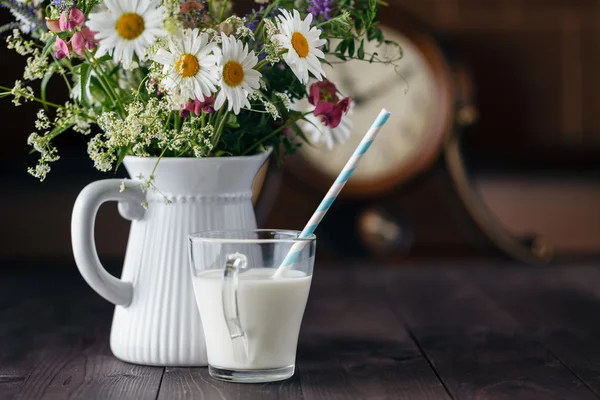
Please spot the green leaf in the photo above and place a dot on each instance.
(351, 48)
(379, 35)
(106, 57)
(341, 47)
(84, 83)
(221, 153)
(44, 84)
(49, 46)
(123, 151)
(361, 50)
(341, 57)
(373, 57)
(8, 27)
(372, 34)
(358, 24)
(232, 121)
(57, 131)
(301, 133)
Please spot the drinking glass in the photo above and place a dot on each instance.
(251, 319)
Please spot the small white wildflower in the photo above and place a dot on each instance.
(139, 150)
(99, 153)
(45, 36)
(255, 95)
(270, 108)
(42, 122)
(20, 45)
(285, 99)
(40, 171)
(198, 151)
(36, 141)
(238, 25)
(19, 91)
(36, 67)
(213, 34)
(132, 66)
(48, 154)
(122, 187)
(207, 131)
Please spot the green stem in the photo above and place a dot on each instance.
(46, 103)
(61, 71)
(267, 11)
(272, 134)
(178, 122)
(157, 161)
(221, 127)
(222, 9)
(216, 131)
(261, 64)
(106, 85)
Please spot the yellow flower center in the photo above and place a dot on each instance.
(130, 25)
(300, 44)
(187, 65)
(233, 73)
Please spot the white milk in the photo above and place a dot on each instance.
(270, 313)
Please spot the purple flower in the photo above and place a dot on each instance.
(63, 5)
(25, 15)
(320, 7)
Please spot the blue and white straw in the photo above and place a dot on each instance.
(333, 192)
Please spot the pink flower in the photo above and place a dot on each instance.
(344, 104)
(82, 40)
(75, 18)
(53, 25)
(323, 91)
(189, 6)
(198, 106)
(61, 49)
(331, 114)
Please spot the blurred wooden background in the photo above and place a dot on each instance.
(536, 149)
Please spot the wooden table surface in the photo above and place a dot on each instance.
(422, 332)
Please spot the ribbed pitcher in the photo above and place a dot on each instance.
(156, 320)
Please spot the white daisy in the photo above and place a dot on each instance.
(127, 26)
(190, 66)
(238, 79)
(302, 43)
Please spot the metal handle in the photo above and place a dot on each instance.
(235, 263)
(82, 234)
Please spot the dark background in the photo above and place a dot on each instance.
(535, 152)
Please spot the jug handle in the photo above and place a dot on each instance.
(82, 234)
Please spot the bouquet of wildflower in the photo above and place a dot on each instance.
(172, 78)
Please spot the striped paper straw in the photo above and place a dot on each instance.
(333, 192)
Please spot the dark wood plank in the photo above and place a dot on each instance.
(560, 306)
(352, 346)
(54, 334)
(476, 347)
(196, 383)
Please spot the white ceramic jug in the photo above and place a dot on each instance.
(156, 320)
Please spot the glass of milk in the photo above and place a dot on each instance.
(251, 319)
